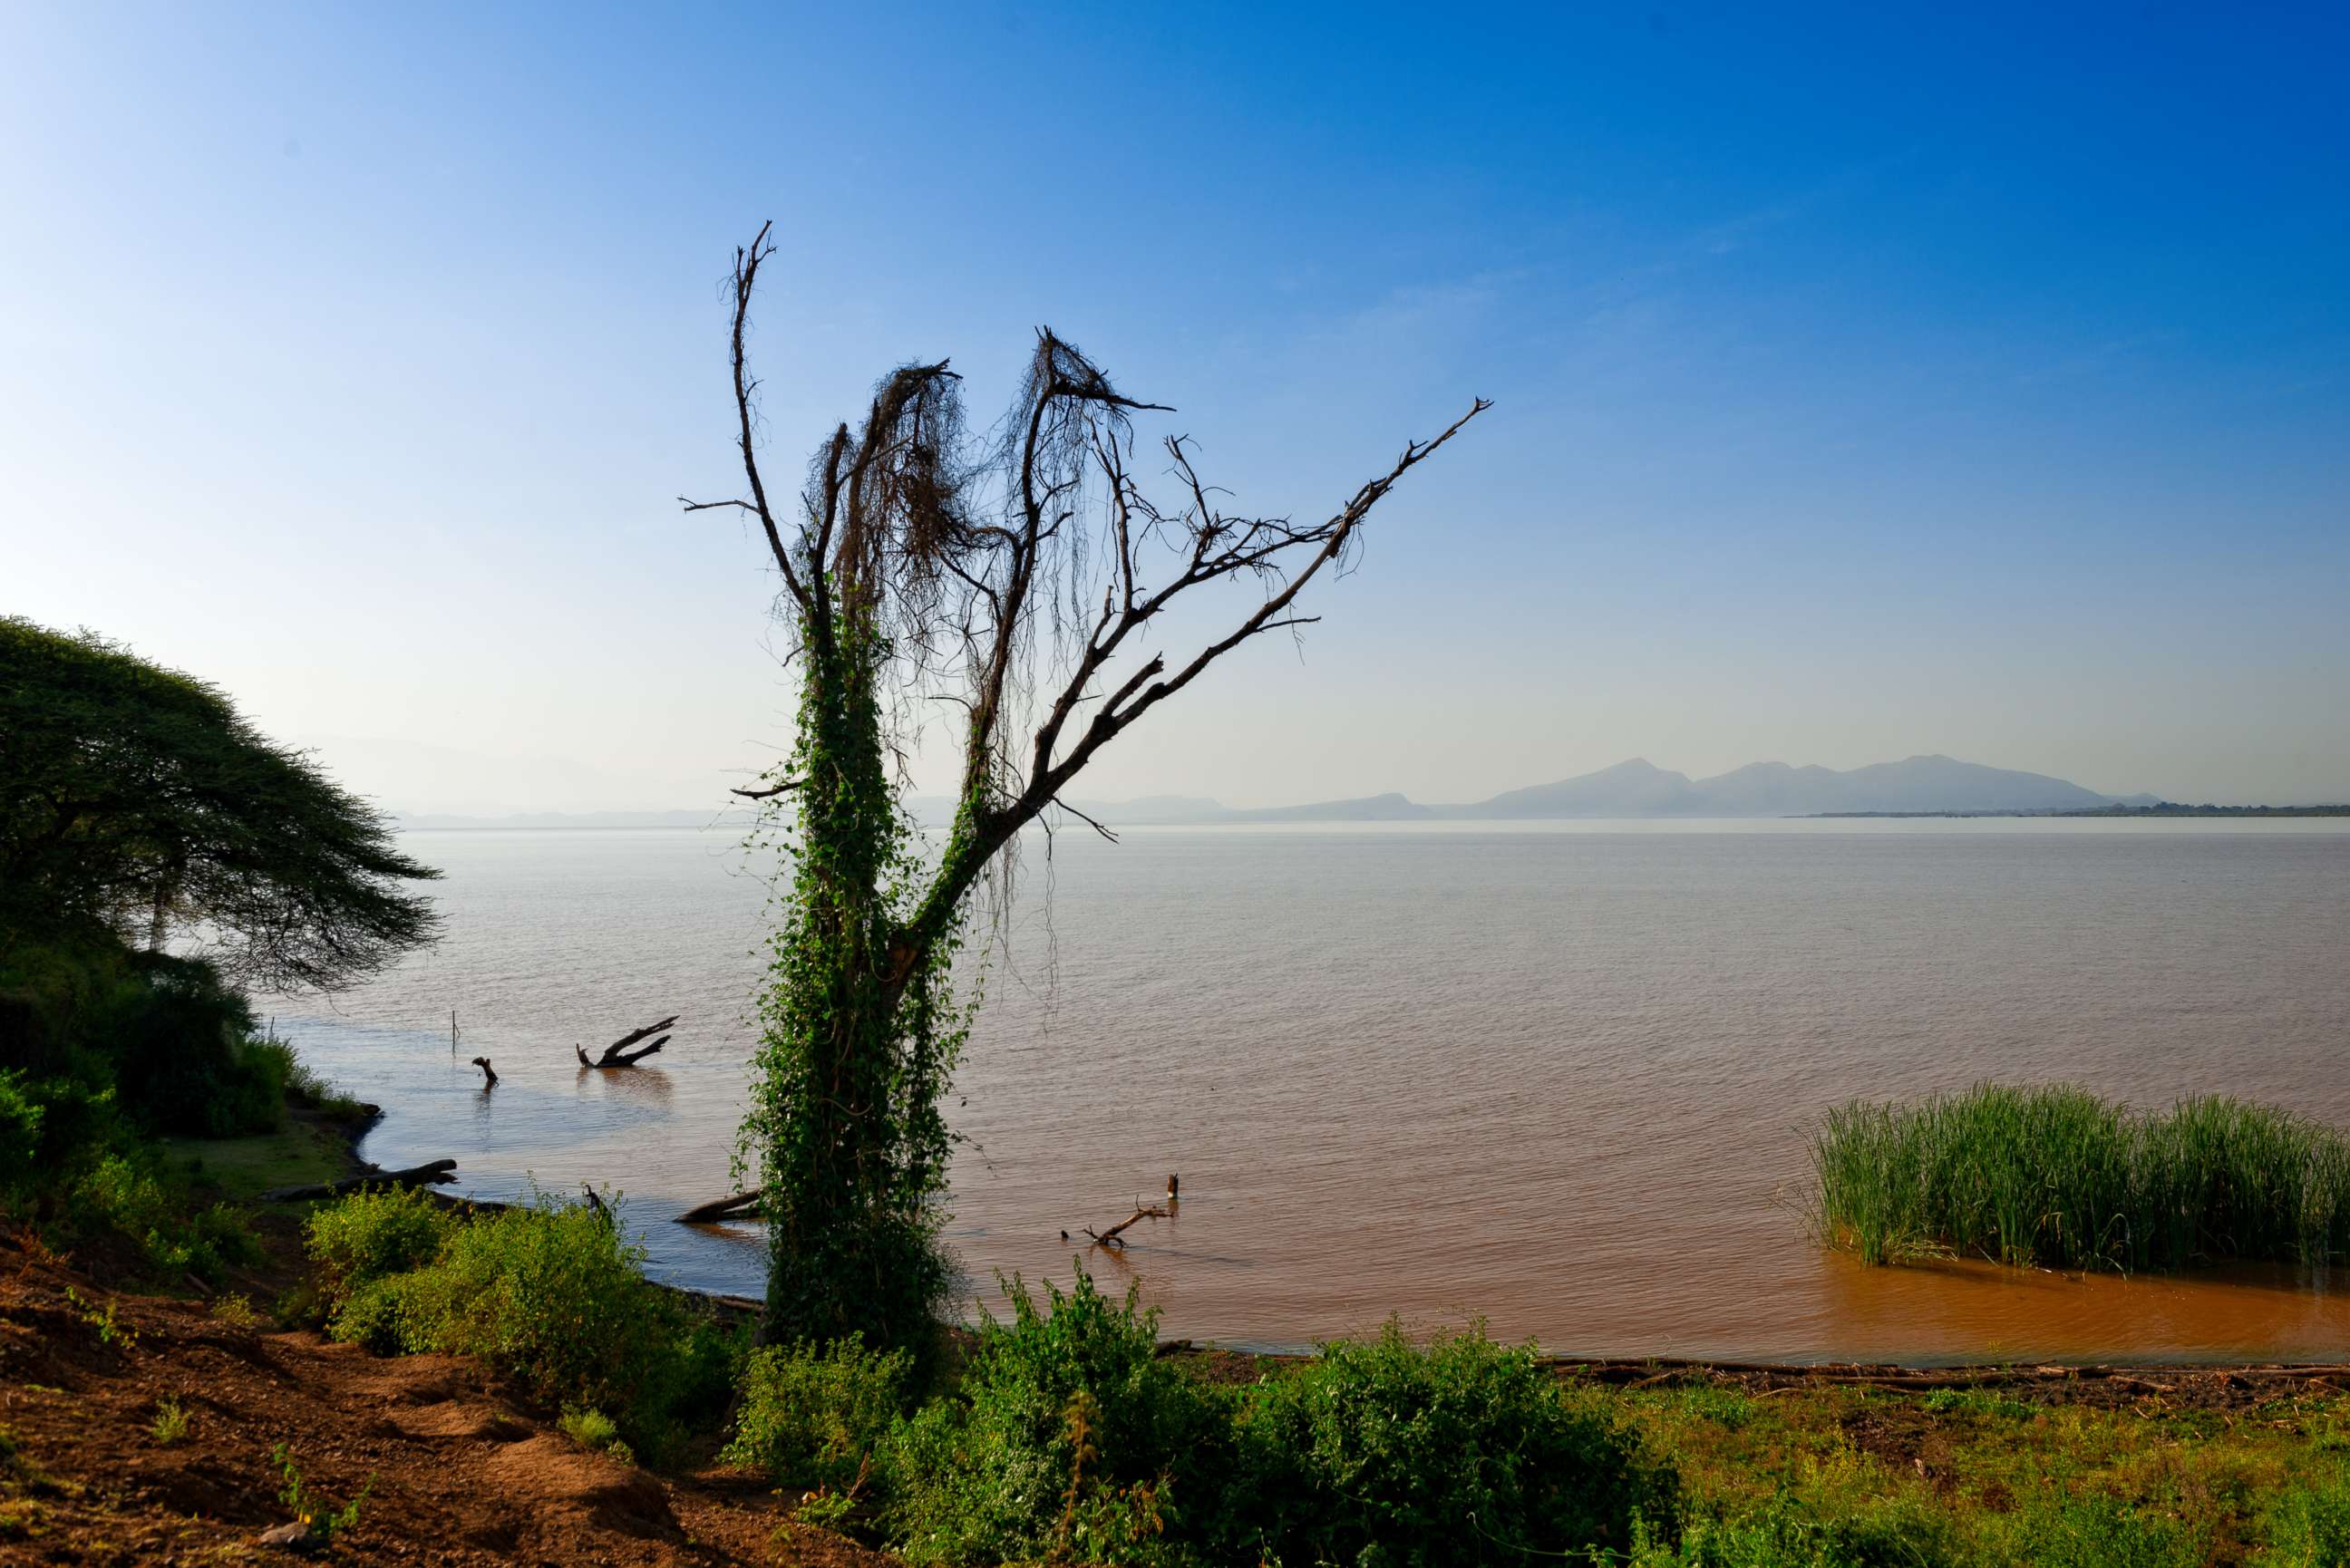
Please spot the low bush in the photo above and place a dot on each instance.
(298, 1082)
(171, 1423)
(168, 1038)
(370, 1235)
(549, 1292)
(20, 1113)
(594, 1430)
(129, 1195)
(810, 1416)
(236, 1311)
(552, 1294)
(1344, 1457)
(1070, 1439)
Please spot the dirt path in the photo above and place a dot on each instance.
(462, 1473)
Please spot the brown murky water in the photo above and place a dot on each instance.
(1559, 1076)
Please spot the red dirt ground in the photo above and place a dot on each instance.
(463, 1472)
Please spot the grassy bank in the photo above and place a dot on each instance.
(1825, 1477)
(2060, 1178)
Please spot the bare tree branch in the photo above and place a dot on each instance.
(1089, 821)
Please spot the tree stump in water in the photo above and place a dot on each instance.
(617, 1054)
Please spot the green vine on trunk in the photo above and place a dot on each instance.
(859, 1034)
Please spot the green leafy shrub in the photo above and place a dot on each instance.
(552, 1294)
(368, 1236)
(236, 1311)
(171, 1423)
(594, 1430)
(298, 1082)
(812, 1414)
(1068, 1438)
(125, 1195)
(1386, 1453)
(549, 1292)
(164, 1044)
(377, 1317)
(20, 1131)
(180, 1042)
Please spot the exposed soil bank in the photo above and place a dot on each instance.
(463, 1472)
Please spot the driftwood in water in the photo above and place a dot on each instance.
(741, 1206)
(1110, 1238)
(489, 1078)
(617, 1054)
(432, 1172)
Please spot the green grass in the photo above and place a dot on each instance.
(2059, 1178)
(297, 1155)
(1842, 1478)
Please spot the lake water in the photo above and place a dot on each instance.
(1557, 1074)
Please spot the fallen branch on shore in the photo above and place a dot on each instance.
(738, 1206)
(432, 1172)
(617, 1054)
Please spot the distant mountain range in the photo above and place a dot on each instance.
(1637, 788)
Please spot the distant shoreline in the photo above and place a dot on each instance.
(2127, 810)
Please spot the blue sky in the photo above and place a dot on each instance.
(1869, 380)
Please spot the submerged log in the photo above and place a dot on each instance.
(740, 1206)
(432, 1172)
(1110, 1237)
(617, 1054)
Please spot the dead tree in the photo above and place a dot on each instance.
(1112, 1237)
(1020, 580)
(736, 1206)
(617, 1054)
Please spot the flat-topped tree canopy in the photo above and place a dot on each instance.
(136, 800)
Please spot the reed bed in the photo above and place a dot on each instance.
(2059, 1178)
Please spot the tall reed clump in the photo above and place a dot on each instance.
(2060, 1178)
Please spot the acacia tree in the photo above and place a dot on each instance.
(135, 801)
(1017, 574)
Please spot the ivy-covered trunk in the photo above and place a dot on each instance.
(858, 1035)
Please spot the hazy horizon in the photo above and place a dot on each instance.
(1866, 385)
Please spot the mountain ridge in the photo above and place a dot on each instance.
(1635, 787)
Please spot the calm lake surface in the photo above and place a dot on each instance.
(1559, 1074)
